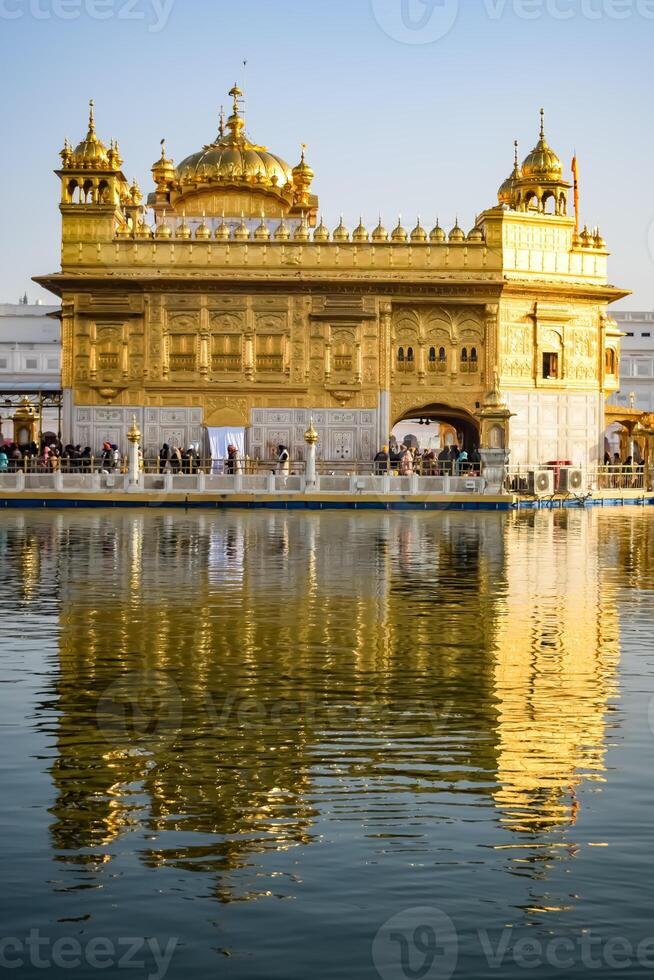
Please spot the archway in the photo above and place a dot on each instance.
(438, 422)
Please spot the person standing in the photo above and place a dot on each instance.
(283, 461)
(381, 462)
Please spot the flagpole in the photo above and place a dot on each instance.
(575, 174)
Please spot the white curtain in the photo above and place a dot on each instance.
(220, 439)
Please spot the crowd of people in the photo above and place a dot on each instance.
(405, 460)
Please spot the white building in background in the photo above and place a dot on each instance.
(30, 361)
(636, 360)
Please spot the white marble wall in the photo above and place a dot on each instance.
(344, 433)
(552, 425)
(91, 426)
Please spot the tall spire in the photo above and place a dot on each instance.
(236, 123)
(221, 123)
(91, 118)
(542, 124)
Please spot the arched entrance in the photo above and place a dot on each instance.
(434, 426)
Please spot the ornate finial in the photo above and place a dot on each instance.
(542, 124)
(236, 123)
(221, 123)
(91, 118)
(134, 434)
(515, 154)
(311, 437)
(163, 150)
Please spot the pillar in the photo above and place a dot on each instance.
(133, 463)
(311, 439)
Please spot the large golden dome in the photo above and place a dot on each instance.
(226, 160)
(234, 176)
(542, 163)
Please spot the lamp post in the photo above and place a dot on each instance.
(134, 437)
(311, 438)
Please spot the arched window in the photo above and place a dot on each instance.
(610, 360)
(473, 359)
(409, 354)
(549, 203)
(441, 354)
(432, 355)
(464, 355)
(400, 355)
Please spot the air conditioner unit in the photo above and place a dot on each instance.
(571, 480)
(541, 483)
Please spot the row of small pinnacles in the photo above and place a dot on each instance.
(224, 232)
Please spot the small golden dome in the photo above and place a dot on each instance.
(380, 234)
(437, 234)
(222, 233)
(163, 230)
(457, 234)
(282, 234)
(542, 163)
(303, 170)
(25, 410)
(301, 233)
(91, 152)
(418, 234)
(202, 232)
(242, 232)
(262, 231)
(321, 234)
(163, 169)
(399, 233)
(586, 238)
(598, 241)
(360, 233)
(183, 231)
(143, 230)
(476, 235)
(341, 234)
(505, 194)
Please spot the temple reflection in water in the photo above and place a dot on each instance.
(400, 661)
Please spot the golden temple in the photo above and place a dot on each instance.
(236, 308)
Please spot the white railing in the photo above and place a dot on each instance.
(241, 482)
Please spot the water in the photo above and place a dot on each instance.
(284, 746)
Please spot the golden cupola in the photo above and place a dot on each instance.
(507, 190)
(91, 153)
(91, 174)
(538, 185)
(542, 163)
(235, 177)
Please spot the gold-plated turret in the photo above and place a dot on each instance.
(538, 185)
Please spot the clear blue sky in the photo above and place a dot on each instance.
(398, 119)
